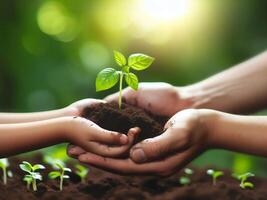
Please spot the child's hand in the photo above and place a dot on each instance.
(92, 138)
(76, 108)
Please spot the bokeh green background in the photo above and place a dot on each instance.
(51, 51)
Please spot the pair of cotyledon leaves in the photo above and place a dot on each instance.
(108, 77)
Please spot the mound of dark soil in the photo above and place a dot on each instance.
(108, 116)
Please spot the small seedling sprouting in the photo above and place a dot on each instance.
(244, 184)
(81, 171)
(60, 174)
(4, 164)
(215, 175)
(108, 77)
(32, 176)
(185, 180)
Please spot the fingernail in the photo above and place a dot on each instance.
(72, 151)
(138, 155)
(123, 139)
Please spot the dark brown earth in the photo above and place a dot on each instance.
(100, 185)
(108, 116)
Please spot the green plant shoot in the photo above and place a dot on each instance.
(215, 175)
(108, 77)
(81, 171)
(60, 174)
(4, 164)
(32, 176)
(244, 184)
(185, 180)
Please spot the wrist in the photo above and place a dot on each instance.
(209, 119)
(70, 111)
(65, 128)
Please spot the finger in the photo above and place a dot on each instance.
(127, 166)
(128, 94)
(74, 151)
(153, 148)
(112, 97)
(113, 151)
(108, 137)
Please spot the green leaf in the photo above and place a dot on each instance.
(132, 80)
(36, 175)
(218, 174)
(37, 167)
(66, 176)
(67, 169)
(210, 172)
(140, 61)
(28, 179)
(188, 171)
(59, 165)
(53, 175)
(106, 79)
(247, 185)
(4, 163)
(184, 180)
(25, 166)
(119, 58)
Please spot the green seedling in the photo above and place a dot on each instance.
(108, 77)
(215, 175)
(4, 164)
(60, 174)
(81, 171)
(244, 184)
(185, 180)
(32, 176)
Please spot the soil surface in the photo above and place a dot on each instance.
(108, 116)
(100, 185)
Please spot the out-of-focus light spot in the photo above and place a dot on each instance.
(54, 20)
(94, 55)
(159, 21)
(165, 10)
(113, 15)
(41, 100)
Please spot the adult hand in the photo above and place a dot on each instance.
(76, 108)
(159, 98)
(186, 135)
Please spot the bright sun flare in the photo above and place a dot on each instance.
(166, 10)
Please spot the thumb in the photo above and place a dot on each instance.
(153, 148)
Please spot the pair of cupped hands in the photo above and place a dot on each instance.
(184, 136)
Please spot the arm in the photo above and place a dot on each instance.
(187, 134)
(240, 89)
(75, 109)
(22, 137)
(247, 134)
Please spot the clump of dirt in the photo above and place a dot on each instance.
(110, 117)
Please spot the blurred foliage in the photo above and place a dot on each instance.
(51, 51)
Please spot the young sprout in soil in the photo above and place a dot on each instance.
(32, 175)
(108, 77)
(60, 174)
(81, 171)
(185, 180)
(215, 175)
(4, 164)
(244, 184)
